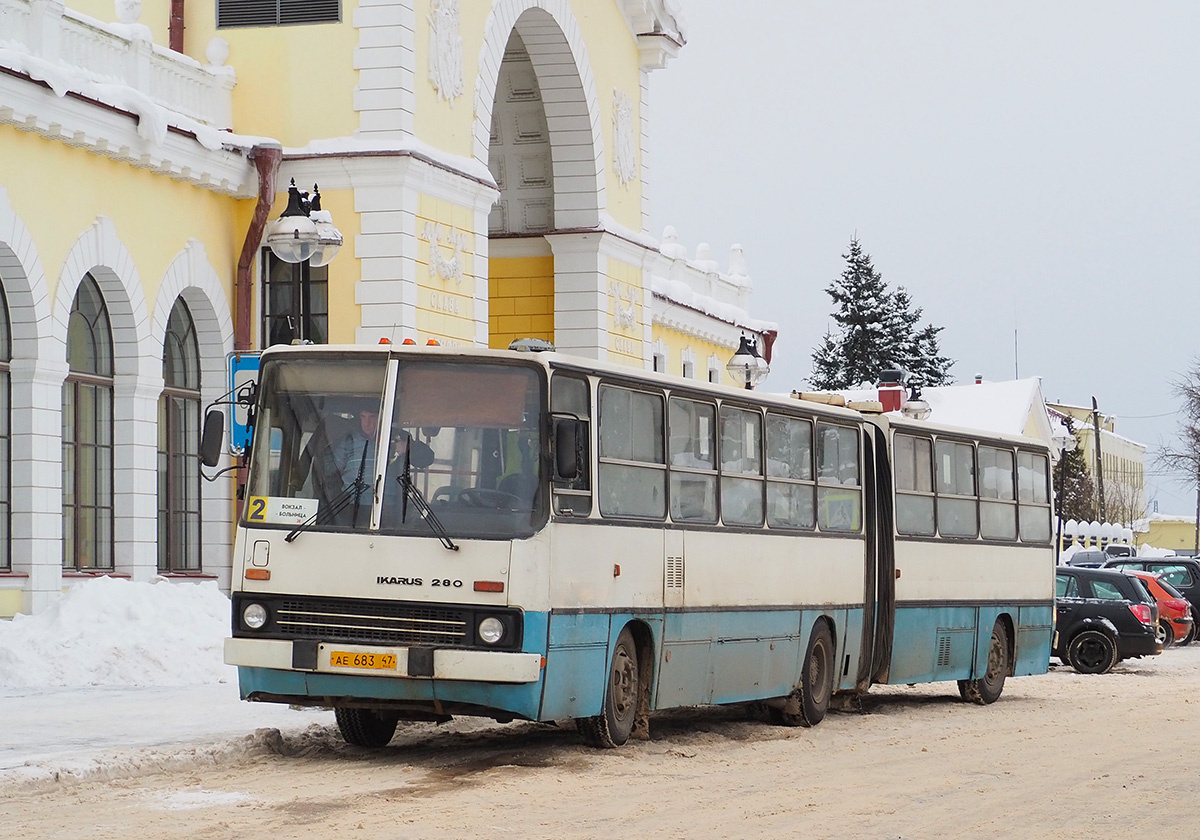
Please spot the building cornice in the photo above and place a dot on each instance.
(83, 122)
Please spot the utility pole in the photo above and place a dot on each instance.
(1099, 460)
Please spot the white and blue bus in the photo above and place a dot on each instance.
(430, 532)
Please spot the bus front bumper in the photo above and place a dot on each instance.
(359, 660)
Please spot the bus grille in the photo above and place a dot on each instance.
(375, 623)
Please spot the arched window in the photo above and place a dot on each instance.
(5, 438)
(87, 434)
(178, 446)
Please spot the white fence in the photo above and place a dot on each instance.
(120, 54)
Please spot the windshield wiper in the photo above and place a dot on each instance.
(336, 505)
(418, 498)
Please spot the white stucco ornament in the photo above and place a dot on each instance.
(439, 266)
(128, 11)
(217, 52)
(445, 50)
(624, 300)
(624, 141)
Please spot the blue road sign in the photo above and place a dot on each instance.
(243, 373)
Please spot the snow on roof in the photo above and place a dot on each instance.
(681, 293)
(1002, 407)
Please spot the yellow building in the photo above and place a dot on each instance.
(1122, 463)
(1176, 533)
(485, 163)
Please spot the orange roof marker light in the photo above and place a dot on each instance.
(433, 342)
(408, 342)
(385, 340)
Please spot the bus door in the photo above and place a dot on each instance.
(879, 598)
(885, 530)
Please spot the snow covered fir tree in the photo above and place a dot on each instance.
(877, 329)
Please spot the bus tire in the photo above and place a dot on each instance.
(612, 727)
(365, 727)
(987, 689)
(1092, 652)
(816, 677)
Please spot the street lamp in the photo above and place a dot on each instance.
(1066, 442)
(746, 365)
(304, 232)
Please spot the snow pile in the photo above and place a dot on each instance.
(112, 632)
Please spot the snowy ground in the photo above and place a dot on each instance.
(117, 673)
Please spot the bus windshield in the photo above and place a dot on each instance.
(460, 445)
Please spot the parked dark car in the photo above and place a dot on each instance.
(1089, 559)
(1102, 617)
(1183, 573)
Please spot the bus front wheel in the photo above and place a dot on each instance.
(365, 727)
(987, 688)
(613, 726)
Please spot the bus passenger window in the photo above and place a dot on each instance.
(955, 468)
(632, 461)
(741, 467)
(791, 491)
(692, 435)
(839, 496)
(914, 485)
(1033, 480)
(997, 505)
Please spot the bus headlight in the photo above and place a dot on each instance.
(254, 616)
(491, 630)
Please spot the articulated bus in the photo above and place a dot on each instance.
(430, 532)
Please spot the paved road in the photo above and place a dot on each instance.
(1059, 755)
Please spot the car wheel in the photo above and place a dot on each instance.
(1165, 633)
(1186, 638)
(1092, 652)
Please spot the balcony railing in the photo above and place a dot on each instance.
(77, 46)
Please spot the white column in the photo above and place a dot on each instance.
(135, 478)
(385, 98)
(580, 294)
(37, 479)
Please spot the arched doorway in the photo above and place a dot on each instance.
(543, 152)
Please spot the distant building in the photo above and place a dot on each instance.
(1123, 462)
(1014, 407)
(1177, 533)
(485, 163)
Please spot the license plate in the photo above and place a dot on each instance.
(376, 661)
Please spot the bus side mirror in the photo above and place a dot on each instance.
(566, 447)
(212, 437)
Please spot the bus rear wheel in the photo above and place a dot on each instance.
(365, 727)
(809, 703)
(612, 727)
(987, 688)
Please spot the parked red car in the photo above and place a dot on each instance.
(1175, 625)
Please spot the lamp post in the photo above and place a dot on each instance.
(1066, 443)
(304, 232)
(746, 365)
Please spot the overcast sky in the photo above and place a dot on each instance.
(1027, 170)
